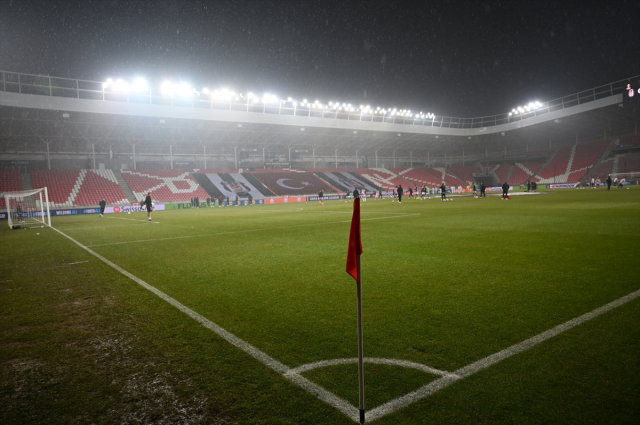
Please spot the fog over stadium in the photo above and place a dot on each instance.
(183, 185)
(464, 59)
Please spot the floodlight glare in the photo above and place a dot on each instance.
(140, 85)
(167, 89)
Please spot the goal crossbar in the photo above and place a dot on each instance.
(27, 208)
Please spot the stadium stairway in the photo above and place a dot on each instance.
(604, 157)
(125, 187)
(510, 173)
(26, 181)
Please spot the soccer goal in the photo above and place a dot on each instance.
(627, 176)
(28, 208)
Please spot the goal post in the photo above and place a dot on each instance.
(27, 208)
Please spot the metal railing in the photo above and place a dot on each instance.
(93, 90)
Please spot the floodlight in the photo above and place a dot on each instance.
(140, 85)
(510, 113)
(330, 103)
(288, 99)
(167, 88)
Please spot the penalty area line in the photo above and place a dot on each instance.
(331, 399)
(249, 230)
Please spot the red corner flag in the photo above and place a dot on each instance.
(355, 244)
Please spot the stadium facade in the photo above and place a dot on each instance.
(49, 123)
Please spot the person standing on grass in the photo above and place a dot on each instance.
(609, 181)
(505, 190)
(321, 197)
(410, 192)
(483, 190)
(395, 193)
(423, 192)
(363, 195)
(400, 193)
(474, 189)
(443, 192)
(102, 204)
(148, 204)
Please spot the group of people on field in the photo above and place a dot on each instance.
(595, 183)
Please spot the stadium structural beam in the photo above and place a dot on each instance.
(171, 155)
(394, 159)
(133, 146)
(93, 153)
(314, 157)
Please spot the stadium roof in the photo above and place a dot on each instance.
(71, 122)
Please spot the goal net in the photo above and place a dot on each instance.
(627, 176)
(28, 208)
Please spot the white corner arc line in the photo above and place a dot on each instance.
(324, 395)
(340, 404)
(373, 360)
(492, 359)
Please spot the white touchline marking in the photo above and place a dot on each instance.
(324, 395)
(134, 219)
(342, 405)
(484, 363)
(246, 231)
(78, 262)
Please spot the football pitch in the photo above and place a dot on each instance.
(475, 311)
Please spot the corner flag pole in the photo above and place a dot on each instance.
(355, 270)
(360, 345)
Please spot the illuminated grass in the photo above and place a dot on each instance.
(445, 285)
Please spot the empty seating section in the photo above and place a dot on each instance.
(445, 175)
(381, 177)
(164, 185)
(79, 187)
(293, 183)
(98, 185)
(572, 162)
(557, 167)
(10, 181)
(326, 170)
(629, 163)
(502, 170)
(585, 156)
(418, 176)
(523, 171)
(465, 173)
(217, 170)
(59, 184)
(629, 140)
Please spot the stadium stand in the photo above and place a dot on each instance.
(79, 187)
(465, 173)
(10, 181)
(293, 183)
(164, 185)
(523, 171)
(628, 140)
(419, 176)
(445, 175)
(216, 170)
(381, 177)
(571, 163)
(345, 181)
(502, 170)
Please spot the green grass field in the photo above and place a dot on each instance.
(444, 285)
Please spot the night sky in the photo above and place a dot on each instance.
(465, 59)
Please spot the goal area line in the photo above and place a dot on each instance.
(293, 374)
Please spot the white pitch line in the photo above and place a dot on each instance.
(78, 262)
(373, 360)
(324, 395)
(484, 363)
(248, 230)
(134, 219)
(341, 404)
(102, 227)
